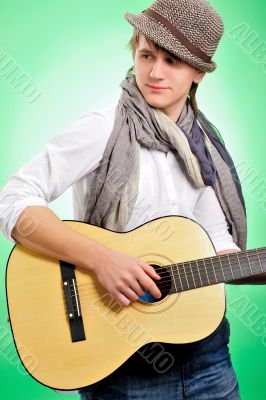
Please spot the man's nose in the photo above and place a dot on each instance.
(157, 71)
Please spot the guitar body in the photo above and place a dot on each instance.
(38, 316)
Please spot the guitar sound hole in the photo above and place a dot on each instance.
(164, 285)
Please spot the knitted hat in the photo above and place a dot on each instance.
(189, 29)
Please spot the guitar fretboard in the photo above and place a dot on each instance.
(211, 270)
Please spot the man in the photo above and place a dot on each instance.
(166, 160)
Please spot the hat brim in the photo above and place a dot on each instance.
(160, 35)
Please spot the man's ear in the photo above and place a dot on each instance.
(199, 76)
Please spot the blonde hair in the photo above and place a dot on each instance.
(133, 44)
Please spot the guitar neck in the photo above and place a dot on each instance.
(218, 269)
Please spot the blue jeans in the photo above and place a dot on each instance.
(196, 371)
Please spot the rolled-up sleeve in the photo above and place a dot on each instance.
(209, 214)
(66, 158)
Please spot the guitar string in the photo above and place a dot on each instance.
(164, 285)
(186, 266)
(89, 294)
(203, 261)
(182, 274)
(88, 297)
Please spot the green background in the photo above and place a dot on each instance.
(76, 52)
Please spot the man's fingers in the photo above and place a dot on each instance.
(122, 300)
(155, 291)
(149, 270)
(137, 288)
(147, 283)
(130, 294)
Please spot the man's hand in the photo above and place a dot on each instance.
(126, 278)
(220, 253)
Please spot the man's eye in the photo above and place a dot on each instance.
(171, 60)
(174, 60)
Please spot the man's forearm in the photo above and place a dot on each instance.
(52, 237)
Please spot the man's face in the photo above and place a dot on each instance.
(156, 67)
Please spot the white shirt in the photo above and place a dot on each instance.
(71, 157)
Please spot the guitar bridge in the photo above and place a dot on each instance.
(72, 299)
(73, 308)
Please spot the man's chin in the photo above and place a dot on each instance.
(154, 102)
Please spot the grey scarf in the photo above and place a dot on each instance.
(115, 186)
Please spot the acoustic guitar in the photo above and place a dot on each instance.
(70, 333)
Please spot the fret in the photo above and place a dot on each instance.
(196, 261)
(239, 264)
(252, 273)
(178, 280)
(203, 272)
(256, 261)
(228, 257)
(263, 256)
(185, 275)
(214, 273)
(206, 272)
(245, 264)
(222, 268)
(177, 267)
(192, 274)
(195, 273)
(258, 256)
(177, 287)
(210, 272)
(173, 277)
(188, 275)
(217, 267)
(235, 267)
(182, 275)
